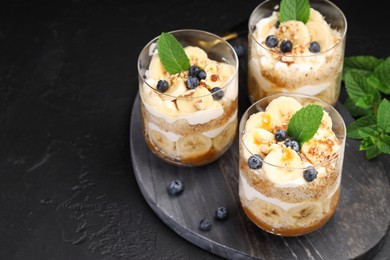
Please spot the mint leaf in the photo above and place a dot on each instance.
(359, 91)
(382, 72)
(355, 110)
(365, 65)
(171, 53)
(305, 123)
(383, 116)
(384, 144)
(368, 121)
(372, 151)
(298, 10)
(365, 132)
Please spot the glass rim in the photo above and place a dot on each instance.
(321, 164)
(343, 34)
(217, 37)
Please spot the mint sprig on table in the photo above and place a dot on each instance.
(367, 81)
(304, 123)
(298, 10)
(171, 53)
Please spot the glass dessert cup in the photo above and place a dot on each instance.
(190, 127)
(301, 70)
(278, 198)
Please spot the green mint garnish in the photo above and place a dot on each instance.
(367, 81)
(171, 53)
(298, 10)
(304, 123)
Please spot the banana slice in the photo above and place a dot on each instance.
(194, 100)
(323, 145)
(265, 26)
(258, 141)
(161, 142)
(192, 146)
(197, 56)
(316, 16)
(295, 31)
(176, 89)
(269, 213)
(305, 213)
(156, 69)
(326, 121)
(223, 139)
(320, 32)
(283, 108)
(284, 158)
(262, 120)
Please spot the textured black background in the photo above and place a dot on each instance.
(68, 79)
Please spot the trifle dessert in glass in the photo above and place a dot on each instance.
(291, 155)
(188, 84)
(296, 53)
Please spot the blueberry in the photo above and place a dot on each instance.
(280, 135)
(217, 93)
(221, 213)
(192, 82)
(286, 46)
(314, 47)
(176, 187)
(193, 71)
(271, 41)
(310, 174)
(255, 162)
(277, 24)
(294, 145)
(162, 85)
(202, 75)
(205, 224)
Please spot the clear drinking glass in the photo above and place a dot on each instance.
(300, 71)
(278, 198)
(190, 127)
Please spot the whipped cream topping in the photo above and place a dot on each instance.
(178, 102)
(283, 166)
(299, 71)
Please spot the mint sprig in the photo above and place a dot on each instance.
(367, 81)
(298, 10)
(171, 53)
(304, 123)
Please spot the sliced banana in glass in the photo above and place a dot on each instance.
(262, 120)
(283, 108)
(192, 146)
(225, 137)
(161, 142)
(305, 213)
(268, 213)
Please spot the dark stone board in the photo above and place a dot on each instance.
(357, 230)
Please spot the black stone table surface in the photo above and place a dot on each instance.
(68, 81)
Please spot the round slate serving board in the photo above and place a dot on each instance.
(357, 229)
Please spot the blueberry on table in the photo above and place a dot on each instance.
(205, 224)
(280, 135)
(310, 174)
(221, 213)
(314, 47)
(255, 162)
(271, 41)
(162, 85)
(192, 82)
(193, 71)
(286, 46)
(217, 93)
(294, 145)
(176, 187)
